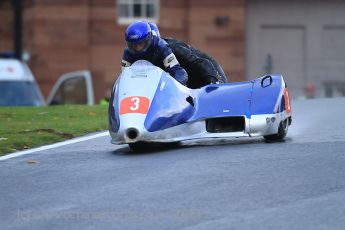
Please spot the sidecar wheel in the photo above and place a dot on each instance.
(282, 131)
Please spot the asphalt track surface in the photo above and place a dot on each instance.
(237, 184)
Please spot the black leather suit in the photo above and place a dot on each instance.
(201, 68)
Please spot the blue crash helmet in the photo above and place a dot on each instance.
(154, 29)
(139, 38)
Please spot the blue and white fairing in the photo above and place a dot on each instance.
(148, 105)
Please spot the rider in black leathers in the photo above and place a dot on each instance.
(201, 68)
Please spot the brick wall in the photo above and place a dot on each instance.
(106, 45)
(6, 26)
(225, 42)
(173, 20)
(65, 35)
(56, 33)
(195, 21)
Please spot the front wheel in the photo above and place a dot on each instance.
(140, 146)
(152, 146)
(282, 131)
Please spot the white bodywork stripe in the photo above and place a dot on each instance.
(59, 144)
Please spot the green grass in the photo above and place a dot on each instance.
(28, 127)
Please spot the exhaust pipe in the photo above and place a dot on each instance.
(132, 133)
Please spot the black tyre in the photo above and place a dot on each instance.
(282, 131)
(152, 146)
(140, 146)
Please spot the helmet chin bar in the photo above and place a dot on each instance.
(139, 46)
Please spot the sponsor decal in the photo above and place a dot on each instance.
(134, 104)
(170, 61)
(10, 69)
(125, 63)
(134, 36)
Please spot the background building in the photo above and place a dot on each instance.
(302, 39)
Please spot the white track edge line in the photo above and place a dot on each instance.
(51, 146)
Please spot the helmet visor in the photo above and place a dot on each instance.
(139, 47)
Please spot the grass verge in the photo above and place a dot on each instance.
(28, 127)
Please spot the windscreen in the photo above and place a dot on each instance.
(19, 93)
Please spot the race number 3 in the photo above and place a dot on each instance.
(134, 104)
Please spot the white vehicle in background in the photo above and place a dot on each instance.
(18, 87)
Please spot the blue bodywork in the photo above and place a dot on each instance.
(113, 110)
(222, 100)
(169, 106)
(238, 99)
(174, 104)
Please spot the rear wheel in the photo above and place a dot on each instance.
(282, 131)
